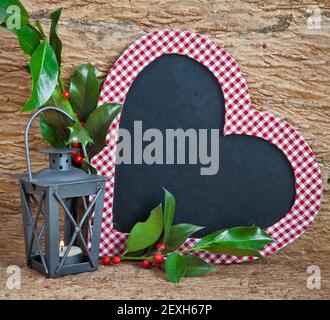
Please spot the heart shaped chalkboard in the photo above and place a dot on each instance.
(267, 175)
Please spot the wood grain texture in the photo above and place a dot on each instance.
(287, 68)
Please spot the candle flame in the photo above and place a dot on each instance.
(61, 245)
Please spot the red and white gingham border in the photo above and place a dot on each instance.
(240, 118)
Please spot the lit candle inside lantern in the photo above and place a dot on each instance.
(74, 256)
(61, 246)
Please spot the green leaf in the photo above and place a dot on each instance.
(4, 4)
(208, 238)
(178, 234)
(244, 237)
(54, 39)
(195, 266)
(98, 124)
(175, 267)
(44, 70)
(145, 234)
(238, 241)
(28, 39)
(57, 121)
(84, 90)
(168, 213)
(238, 252)
(50, 135)
(79, 134)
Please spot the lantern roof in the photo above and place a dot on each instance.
(57, 150)
(47, 177)
(60, 171)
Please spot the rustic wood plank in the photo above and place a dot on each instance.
(288, 73)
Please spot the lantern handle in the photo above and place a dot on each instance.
(26, 134)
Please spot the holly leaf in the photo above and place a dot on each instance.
(238, 241)
(208, 238)
(178, 234)
(168, 213)
(233, 251)
(84, 89)
(28, 39)
(175, 267)
(145, 234)
(98, 124)
(6, 12)
(54, 39)
(79, 134)
(50, 135)
(195, 266)
(57, 121)
(44, 71)
(244, 237)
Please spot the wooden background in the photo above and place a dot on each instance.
(287, 68)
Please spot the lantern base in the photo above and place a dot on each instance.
(67, 269)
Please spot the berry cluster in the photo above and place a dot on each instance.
(107, 260)
(157, 258)
(77, 158)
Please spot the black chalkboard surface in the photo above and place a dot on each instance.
(254, 185)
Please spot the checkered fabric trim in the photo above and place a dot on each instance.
(240, 118)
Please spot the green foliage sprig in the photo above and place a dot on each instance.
(91, 122)
(159, 228)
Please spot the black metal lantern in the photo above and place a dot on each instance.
(49, 200)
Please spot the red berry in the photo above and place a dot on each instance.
(146, 264)
(158, 258)
(82, 123)
(160, 246)
(74, 153)
(66, 95)
(116, 259)
(106, 260)
(75, 144)
(78, 160)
